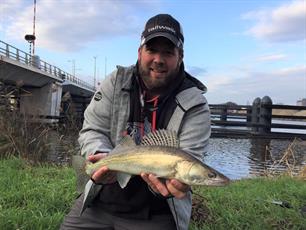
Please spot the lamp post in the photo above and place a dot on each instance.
(73, 66)
(31, 37)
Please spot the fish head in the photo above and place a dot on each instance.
(199, 174)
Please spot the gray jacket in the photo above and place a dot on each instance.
(106, 117)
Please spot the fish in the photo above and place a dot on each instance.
(158, 154)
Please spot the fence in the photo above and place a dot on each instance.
(257, 120)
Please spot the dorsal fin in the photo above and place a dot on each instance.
(126, 142)
(161, 138)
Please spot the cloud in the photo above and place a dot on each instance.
(271, 57)
(241, 85)
(195, 70)
(70, 25)
(214, 81)
(289, 72)
(282, 24)
(8, 10)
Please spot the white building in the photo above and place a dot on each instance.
(301, 102)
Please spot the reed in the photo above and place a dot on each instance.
(28, 136)
(288, 161)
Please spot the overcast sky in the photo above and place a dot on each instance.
(239, 49)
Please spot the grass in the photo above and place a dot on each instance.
(34, 197)
(247, 204)
(38, 197)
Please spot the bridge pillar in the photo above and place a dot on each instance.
(265, 117)
(44, 101)
(223, 116)
(255, 114)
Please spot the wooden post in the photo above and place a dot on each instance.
(249, 115)
(265, 117)
(223, 114)
(255, 114)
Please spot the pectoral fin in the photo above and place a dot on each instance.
(123, 179)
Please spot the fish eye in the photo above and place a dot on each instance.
(212, 175)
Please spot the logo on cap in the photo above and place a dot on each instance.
(161, 28)
(163, 25)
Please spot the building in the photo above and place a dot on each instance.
(301, 102)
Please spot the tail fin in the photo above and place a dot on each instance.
(78, 164)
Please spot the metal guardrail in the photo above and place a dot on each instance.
(34, 61)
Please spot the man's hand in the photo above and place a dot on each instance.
(102, 175)
(171, 187)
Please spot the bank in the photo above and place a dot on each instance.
(37, 197)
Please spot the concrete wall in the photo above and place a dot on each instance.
(44, 101)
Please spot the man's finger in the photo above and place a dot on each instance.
(94, 158)
(99, 174)
(177, 189)
(179, 185)
(158, 185)
(145, 177)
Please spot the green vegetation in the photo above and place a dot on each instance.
(31, 138)
(38, 197)
(34, 197)
(248, 204)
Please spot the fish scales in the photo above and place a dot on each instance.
(159, 153)
(159, 161)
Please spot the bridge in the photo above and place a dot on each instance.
(49, 92)
(46, 85)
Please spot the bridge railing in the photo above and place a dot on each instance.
(18, 55)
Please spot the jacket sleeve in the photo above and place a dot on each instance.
(195, 130)
(191, 121)
(95, 134)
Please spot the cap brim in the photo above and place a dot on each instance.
(172, 38)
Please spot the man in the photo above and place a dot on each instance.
(156, 93)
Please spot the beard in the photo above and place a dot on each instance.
(156, 85)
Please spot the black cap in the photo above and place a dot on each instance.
(163, 25)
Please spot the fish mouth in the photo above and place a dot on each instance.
(218, 182)
(222, 182)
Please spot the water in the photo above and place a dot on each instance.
(243, 158)
(236, 158)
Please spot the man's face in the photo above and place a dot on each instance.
(159, 62)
